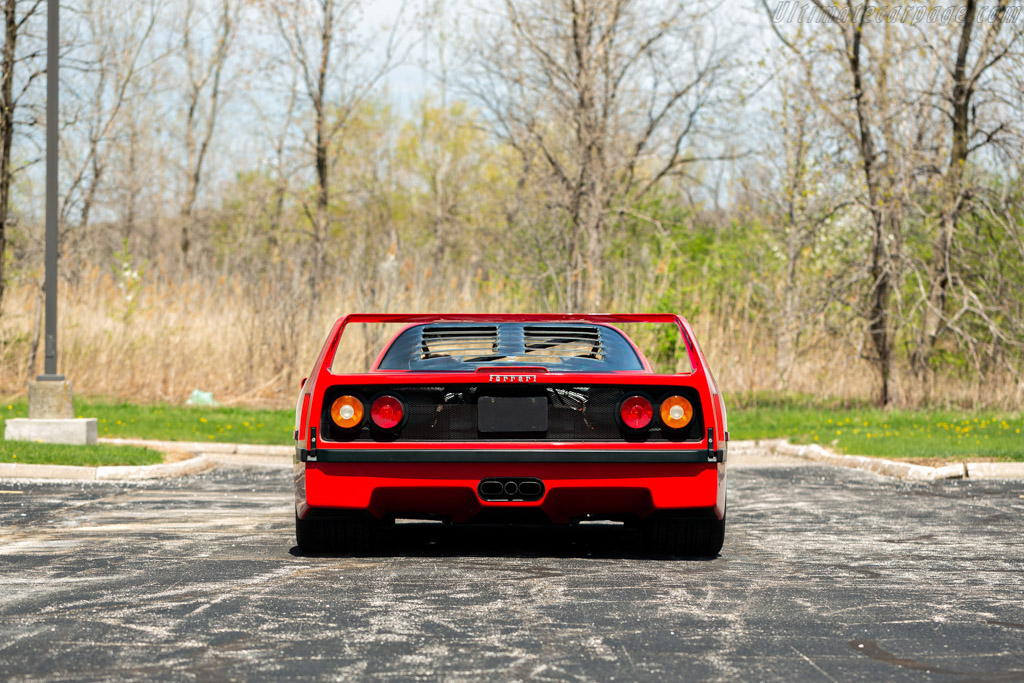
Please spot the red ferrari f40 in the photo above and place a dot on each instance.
(512, 419)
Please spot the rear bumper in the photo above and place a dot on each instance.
(532, 455)
(449, 490)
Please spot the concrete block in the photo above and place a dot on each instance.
(50, 400)
(73, 431)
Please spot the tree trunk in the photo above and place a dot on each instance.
(321, 219)
(878, 310)
(6, 127)
(880, 266)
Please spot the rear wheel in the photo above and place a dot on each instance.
(681, 536)
(341, 535)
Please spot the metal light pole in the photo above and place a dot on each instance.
(52, 112)
(51, 408)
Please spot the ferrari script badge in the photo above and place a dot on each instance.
(513, 378)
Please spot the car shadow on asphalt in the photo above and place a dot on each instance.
(591, 541)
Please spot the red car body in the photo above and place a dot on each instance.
(443, 459)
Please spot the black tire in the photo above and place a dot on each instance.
(345, 535)
(689, 537)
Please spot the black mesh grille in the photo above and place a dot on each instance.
(435, 413)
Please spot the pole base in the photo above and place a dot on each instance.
(50, 399)
(80, 431)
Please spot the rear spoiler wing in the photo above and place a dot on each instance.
(511, 317)
(693, 350)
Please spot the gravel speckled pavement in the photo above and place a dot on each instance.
(827, 574)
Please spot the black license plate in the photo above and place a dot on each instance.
(508, 414)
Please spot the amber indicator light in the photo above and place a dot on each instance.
(676, 412)
(347, 412)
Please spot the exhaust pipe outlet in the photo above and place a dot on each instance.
(509, 489)
(530, 488)
(490, 488)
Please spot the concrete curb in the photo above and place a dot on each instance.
(889, 468)
(17, 470)
(900, 470)
(193, 465)
(248, 460)
(995, 470)
(208, 448)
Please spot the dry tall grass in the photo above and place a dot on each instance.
(152, 338)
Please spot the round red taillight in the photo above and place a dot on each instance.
(636, 412)
(386, 412)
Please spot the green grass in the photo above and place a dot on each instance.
(860, 430)
(178, 423)
(855, 428)
(56, 454)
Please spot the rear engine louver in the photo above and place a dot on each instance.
(557, 343)
(471, 344)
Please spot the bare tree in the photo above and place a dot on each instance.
(14, 84)
(335, 79)
(797, 198)
(111, 53)
(204, 95)
(607, 98)
(970, 64)
(849, 72)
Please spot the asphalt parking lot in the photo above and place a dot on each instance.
(826, 574)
